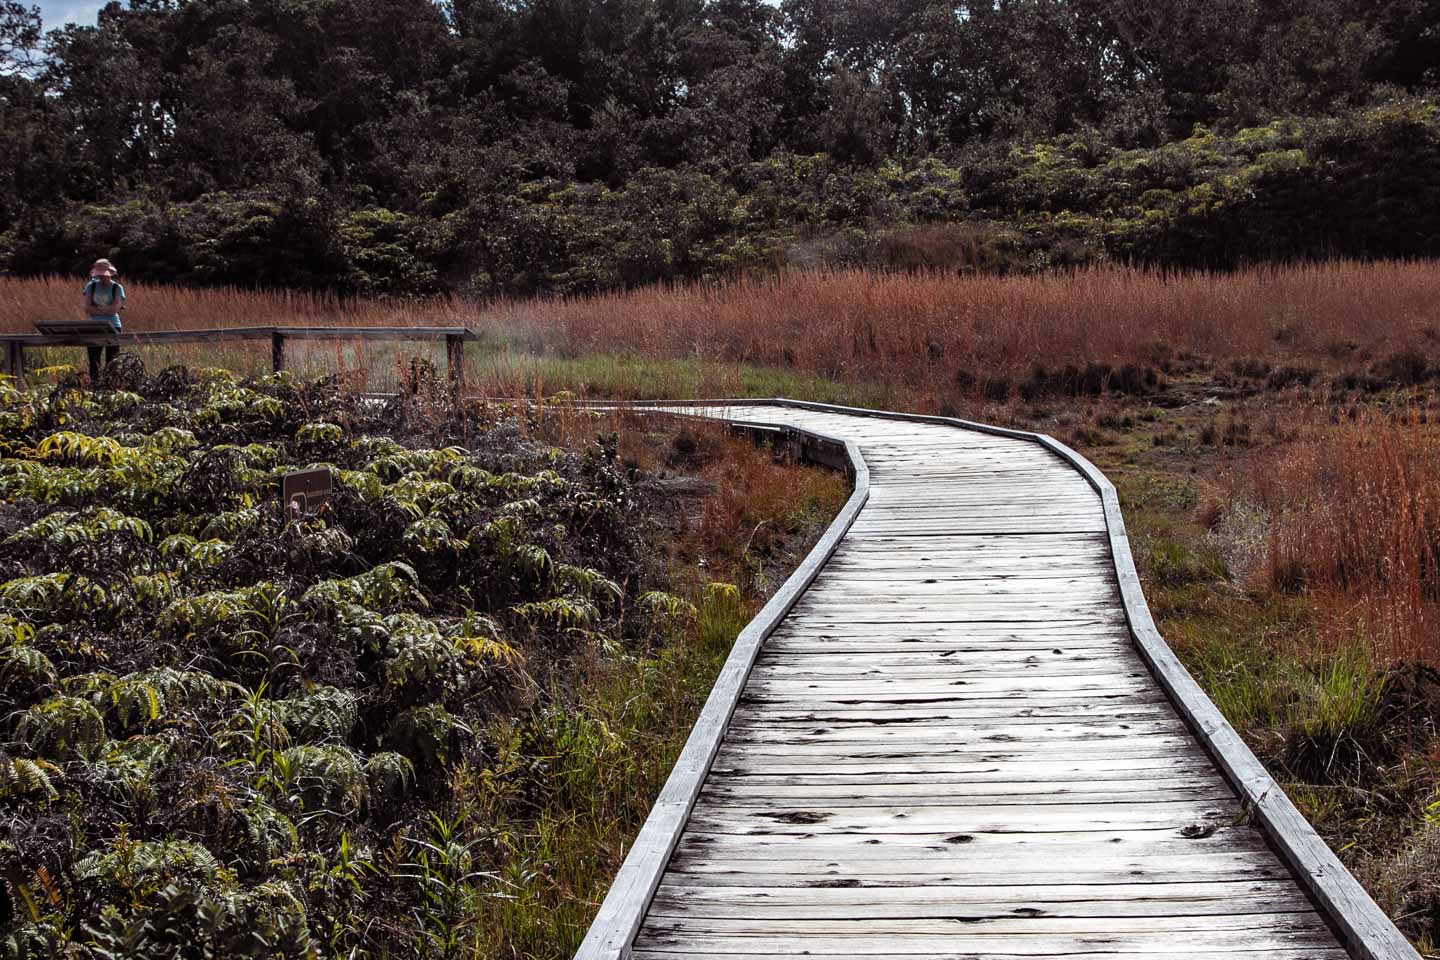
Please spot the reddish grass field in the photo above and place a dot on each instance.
(926, 328)
(934, 332)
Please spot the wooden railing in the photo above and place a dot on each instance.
(454, 337)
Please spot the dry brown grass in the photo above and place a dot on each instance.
(935, 334)
(1355, 521)
(924, 328)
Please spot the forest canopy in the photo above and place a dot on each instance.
(520, 146)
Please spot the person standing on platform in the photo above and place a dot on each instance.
(104, 299)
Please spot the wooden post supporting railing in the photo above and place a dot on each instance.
(455, 360)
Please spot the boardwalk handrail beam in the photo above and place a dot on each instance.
(454, 337)
(617, 922)
(1367, 932)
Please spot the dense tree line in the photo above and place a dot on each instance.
(411, 146)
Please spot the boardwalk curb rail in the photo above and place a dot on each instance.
(1367, 933)
(624, 906)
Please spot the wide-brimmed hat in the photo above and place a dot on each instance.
(103, 268)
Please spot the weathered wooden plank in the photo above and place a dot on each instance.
(1295, 953)
(1156, 943)
(753, 718)
(865, 874)
(979, 926)
(1008, 770)
(1078, 729)
(952, 851)
(1017, 818)
(967, 903)
(870, 795)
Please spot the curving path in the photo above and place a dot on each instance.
(956, 734)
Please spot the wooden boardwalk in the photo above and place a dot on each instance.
(952, 742)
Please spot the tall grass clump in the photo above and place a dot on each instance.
(1355, 519)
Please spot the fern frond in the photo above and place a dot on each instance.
(20, 777)
(386, 585)
(128, 861)
(478, 638)
(564, 611)
(327, 773)
(270, 832)
(323, 713)
(61, 726)
(661, 604)
(586, 583)
(388, 774)
(319, 431)
(27, 667)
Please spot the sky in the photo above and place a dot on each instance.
(57, 13)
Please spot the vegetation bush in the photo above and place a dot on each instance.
(228, 731)
(1363, 185)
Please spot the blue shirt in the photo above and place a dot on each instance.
(113, 297)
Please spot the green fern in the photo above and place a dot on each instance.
(528, 507)
(431, 535)
(424, 658)
(386, 585)
(189, 616)
(153, 589)
(534, 560)
(192, 553)
(84, 449)
(320, 432)
(170, 440)
(61, 726)
(67, 528)
(24, 667)
(478, 639)
(130, 863)
(130, 764)
(572, 612)
(229, 525)
(20, 777)
(587, 583)
(387, 775)
(667, 606)
(151, 695)
(47, 594)
(423, 733)
(269, 832)
(321, 714)
(326, 774)
(374, 448)
(468, 477)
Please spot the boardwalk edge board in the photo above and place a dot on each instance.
(1366, 930)
(623, 909)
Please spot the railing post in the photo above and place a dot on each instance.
(455, 355)
(277, 351)
(15, 361)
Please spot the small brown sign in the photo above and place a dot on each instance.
(306, 491)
